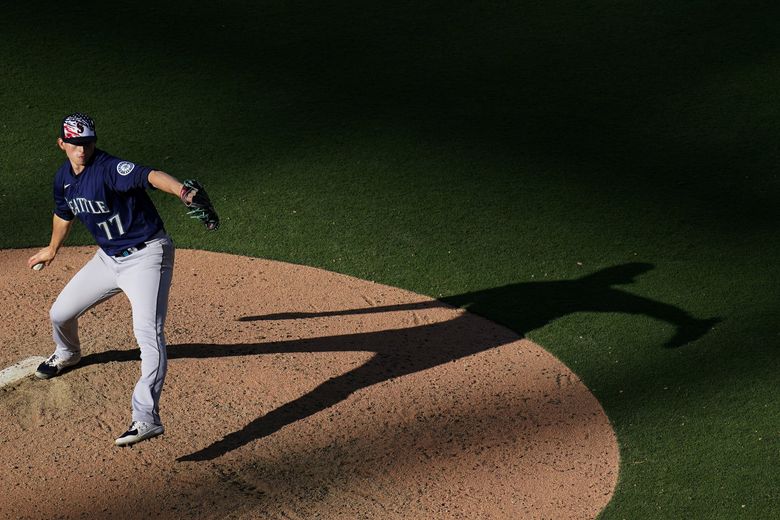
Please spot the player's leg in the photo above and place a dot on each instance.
(145, 277)
(94, 283)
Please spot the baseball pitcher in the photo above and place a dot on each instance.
(135, 256)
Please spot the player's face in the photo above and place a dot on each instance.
(78, 155)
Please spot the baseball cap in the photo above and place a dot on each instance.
(78, 129)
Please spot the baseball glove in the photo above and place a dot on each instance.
(200, 206)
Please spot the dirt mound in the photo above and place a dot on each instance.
(294, 392)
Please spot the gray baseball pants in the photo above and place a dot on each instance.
(145, 277)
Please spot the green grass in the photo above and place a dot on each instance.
(449, 149)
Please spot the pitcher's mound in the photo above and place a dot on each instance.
(294, 392)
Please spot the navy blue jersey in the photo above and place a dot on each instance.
(109, 197)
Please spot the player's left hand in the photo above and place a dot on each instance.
(194, 196)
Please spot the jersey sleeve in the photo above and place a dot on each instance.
(123, 176)
(61, 208)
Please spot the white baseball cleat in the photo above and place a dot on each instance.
(54, 366)
(139, 431)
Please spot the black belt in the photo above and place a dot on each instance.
(130, 250)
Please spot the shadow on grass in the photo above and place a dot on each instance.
(406, 351)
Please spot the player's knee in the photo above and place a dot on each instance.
(59, 316)
(149, 339)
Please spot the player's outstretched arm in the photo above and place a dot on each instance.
(59, 231)
(164, 182)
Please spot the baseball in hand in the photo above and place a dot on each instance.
(38, 266)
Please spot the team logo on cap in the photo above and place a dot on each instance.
(124, 168)
(71, 129)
